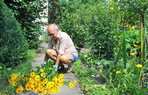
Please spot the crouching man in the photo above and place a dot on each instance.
(60, 48)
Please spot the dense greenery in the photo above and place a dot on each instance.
(27, 12)
(13, 45)
(90, 24)
(99, 25)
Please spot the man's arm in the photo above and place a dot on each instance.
(58, 59)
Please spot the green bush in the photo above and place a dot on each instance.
(26, 12)
(13, 46)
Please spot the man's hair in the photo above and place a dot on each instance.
(55, 27)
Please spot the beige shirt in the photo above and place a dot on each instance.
(63, 45)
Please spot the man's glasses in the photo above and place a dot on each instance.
(52, 34)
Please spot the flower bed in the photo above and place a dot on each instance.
(44, 80)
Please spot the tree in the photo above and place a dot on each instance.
(13, 46)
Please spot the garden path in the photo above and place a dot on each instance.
(64, 90)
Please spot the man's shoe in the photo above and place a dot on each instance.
(61, 67)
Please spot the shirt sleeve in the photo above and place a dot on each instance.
(50, 46)
(63, 44)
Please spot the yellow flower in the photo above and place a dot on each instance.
(100, 47)
(10, 81)
(133, 27)
(32, 74)
(13, 76)
(41, 70)
(132, 54)
(74, 81)
(118, 72)
(19, 90)
(44, 81)
(25, 79)
(41, 88)
(85, 56)
(100, 70)
(71, 85)
(44, 92)
(139, 65)
(43, 75)
(37, 77)
(37, 82)
(32, 88)
(27, 87)
(61, 75)
(14, 83)
(19, 77)
(55, 79)
(135, 45)
(110, 73)
(31, 79)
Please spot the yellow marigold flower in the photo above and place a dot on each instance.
(10, 80)
(132, 54)
(41, 88)
(32, 74)
(41, 70)
(14, 83)
(110, 73)
(71, 85)
(50, 84)
(135, 45)
(56, 89)
(19, 90)
(45, 81)
(100, 70)
(43, 75)
(13, 76)
(118, 72)
(85, 56)
(30, 82)
(133, 27)
(37, 77)
(61, 75)
(37, 82)
(44, 92)
(19, 77)
(55, 79)
(32, 88)
(139, 65)
(74, 81)
(31, 79)
(27, 87)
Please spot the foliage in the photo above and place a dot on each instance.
(117, 79)
(70, 22)
(13, 44)
(26, 13)
(90, 23)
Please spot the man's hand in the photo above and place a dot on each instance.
(55, 67)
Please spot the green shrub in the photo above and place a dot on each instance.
(26, 12)
(13, 46)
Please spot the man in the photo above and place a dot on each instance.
(60, 48)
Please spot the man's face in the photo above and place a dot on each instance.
(53, 34)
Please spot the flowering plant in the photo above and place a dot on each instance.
(44, 80)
